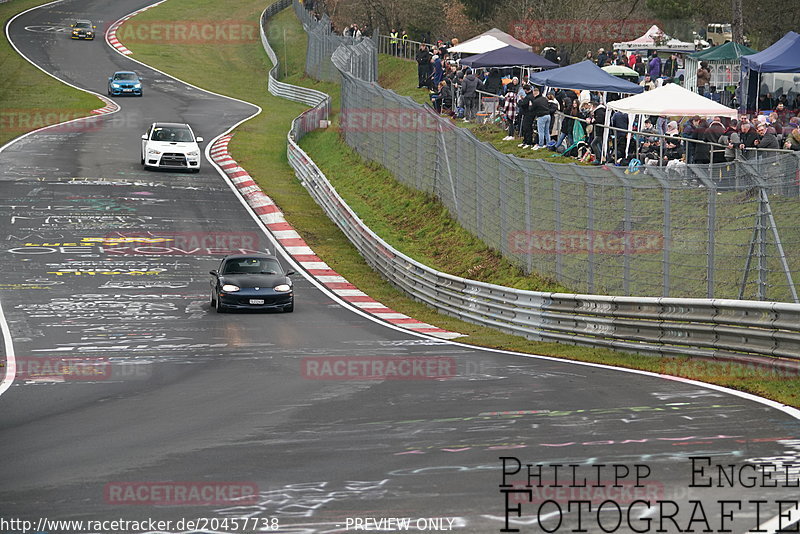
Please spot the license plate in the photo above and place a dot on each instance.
(256, 301)
(127, 90)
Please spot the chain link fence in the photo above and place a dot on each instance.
(322, 43)
(723, 230)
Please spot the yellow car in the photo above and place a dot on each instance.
(82, 29)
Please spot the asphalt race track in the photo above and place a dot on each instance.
(176, 393)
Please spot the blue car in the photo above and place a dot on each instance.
(124, 83)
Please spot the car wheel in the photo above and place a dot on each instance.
(289, 308)
(211, 301)
(195, 171)
(142, 162)
(218, 307)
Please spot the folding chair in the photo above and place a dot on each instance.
(489, 109)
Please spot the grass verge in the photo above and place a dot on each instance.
(259, 145)
(30, 98)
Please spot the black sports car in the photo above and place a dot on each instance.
(251, 282)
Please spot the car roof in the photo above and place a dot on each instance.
(82, 20)
(170, 125)
(125, 72)
(258, 255)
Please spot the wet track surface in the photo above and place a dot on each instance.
(106, 266)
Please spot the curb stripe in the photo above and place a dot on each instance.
(296, 246)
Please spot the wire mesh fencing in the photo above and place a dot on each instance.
(724, 230)
(323, 42)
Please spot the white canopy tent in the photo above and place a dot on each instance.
(669, 100)
(478, 45)
(656, 39)
(487, 41)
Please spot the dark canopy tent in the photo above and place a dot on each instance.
(781, 57)
(724, 67)
(508, 56)
(584, 75)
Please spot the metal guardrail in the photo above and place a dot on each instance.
(716, 328)
(320, 102)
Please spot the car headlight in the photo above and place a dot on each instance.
(282, 288)
(230, 288)
(115, 85)
(153, 151)
(137, 85)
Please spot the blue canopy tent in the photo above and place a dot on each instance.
(508, 56)
(781, 57)
(584, 76)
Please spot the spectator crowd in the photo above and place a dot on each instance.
(572, 122)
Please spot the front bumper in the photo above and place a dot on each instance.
(243, 301)
(84, 36)
(172, 161)
(124, 91)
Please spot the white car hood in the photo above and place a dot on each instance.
(165, 146)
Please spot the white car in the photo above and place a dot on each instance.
(170, 145)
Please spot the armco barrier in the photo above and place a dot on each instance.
(716, 328)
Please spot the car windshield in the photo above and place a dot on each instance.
(125, 76)
(252, 266)
(83, 25)
(172, 135)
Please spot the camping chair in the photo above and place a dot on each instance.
(489, 108)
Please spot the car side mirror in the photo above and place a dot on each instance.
(144, 137)
(199, 139)
(290, 273)
(214, 272)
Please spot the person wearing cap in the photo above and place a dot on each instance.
(469, 91)
(602, 57)
(525, 107)
(510, 113)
